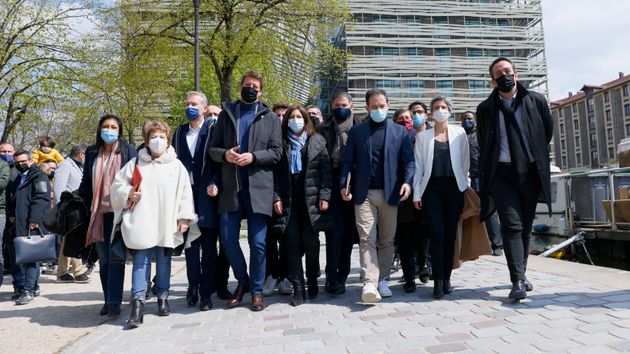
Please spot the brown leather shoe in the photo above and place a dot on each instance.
(258, 303)
(237, 296)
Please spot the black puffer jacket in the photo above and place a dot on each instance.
(473, 146)
(317, 184)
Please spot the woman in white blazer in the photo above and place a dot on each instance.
(442, 162)
(154, 216)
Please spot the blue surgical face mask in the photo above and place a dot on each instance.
(7, 157)
(418, 119)
(296, 124)
(212, 119)
(341, 114)
(468, 124)
(109, 136)
(378, 115)
(192, 113)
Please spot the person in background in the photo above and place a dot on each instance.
(412, 234)
(48, 168)
(5, 174)
(340, 239)
(380, 159)
(247, 143)
(6, 154)
(442, 163)
(68, 179)
(514, 128)
(213, 113)
(103, 161)
(29, 200)
(493, 226)
(301, 198)
(277, 266)
(315, 114)
(47, 151)
(155, 216)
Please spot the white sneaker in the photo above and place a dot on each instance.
(370, 295)
(383, 289)
(285, 287)
(270, 286)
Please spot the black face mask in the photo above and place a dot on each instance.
(505, 83)
(249, 94)
(51, 175)
(21, 167)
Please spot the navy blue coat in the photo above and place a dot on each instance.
(399, 161)
(204, 171)
(29, 202)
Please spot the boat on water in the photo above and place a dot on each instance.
(590, 219)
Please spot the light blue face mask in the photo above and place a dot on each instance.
(378, 115)
(418, 119)
(109, 136)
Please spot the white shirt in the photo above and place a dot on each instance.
(191, 139)
(504, 147)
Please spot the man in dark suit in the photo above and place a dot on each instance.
(379, 158)
(514, 127)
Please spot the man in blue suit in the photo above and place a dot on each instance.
(379, 160)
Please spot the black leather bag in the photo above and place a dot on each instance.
(35, 248)
(118, 250)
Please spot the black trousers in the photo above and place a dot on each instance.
(443, 203)
(516, 205)
(222, 270)
(340, 240)
(413, 246)
(301, 239)
(276, 253)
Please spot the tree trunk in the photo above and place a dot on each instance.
(225, 85)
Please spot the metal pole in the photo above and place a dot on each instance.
(196, 34)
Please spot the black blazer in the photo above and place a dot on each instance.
(538, 124)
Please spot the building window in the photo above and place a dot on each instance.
(593, 140)
(386, 51)
(472, 21)
(563, 146)
(577, 142)
(625, 91)
(591, 122)
(608, 116)
(626, 109)
(574, 108)
(578, 158)
(564, 161)
(627, 130)
(606, 97)
(594, 157)
(442, 52)
(412, 51)
(576, 124)
(440, 29)
(385, 18)
(474, 52)
(561, 128)
(561, 112)
(445, 87)
(589, 104)
(609, 134)
(611, 152)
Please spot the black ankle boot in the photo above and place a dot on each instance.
(313, 288)
(447, 287)
(114, 310)
(438, 288)
(162, 302)
(136, 317)
(192, 296)
(299, 293)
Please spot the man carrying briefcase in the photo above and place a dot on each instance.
(28, 201)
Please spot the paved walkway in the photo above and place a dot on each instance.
(574, 308)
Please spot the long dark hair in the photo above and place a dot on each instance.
(99, 141)
(308, 124)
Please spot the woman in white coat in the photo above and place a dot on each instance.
(154, 216)
(441, 178)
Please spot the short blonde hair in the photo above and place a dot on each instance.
(151, 126)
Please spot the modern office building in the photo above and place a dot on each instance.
(590, 124)
(416, 49)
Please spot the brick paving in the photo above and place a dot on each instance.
(573, 309)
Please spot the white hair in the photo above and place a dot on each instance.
(204, 99)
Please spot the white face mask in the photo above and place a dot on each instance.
(158, 145)
(441, 115)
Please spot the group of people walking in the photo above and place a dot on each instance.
(380, 182)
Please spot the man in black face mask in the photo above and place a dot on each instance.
(514, 127)
(247, 142)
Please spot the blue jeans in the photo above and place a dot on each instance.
(200, 272)
(230, 224)
(112, 273)
(141, 266)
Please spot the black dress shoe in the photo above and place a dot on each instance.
(114, 310)
(313, 288)
(104, 310)
(518, 291)
(136, 317)
(341, 288)
(409, 286)
(528, 285)
(223, 294)
(163, 308)
(192, 296)
(438, 288)
(448, 288)
(205, 303)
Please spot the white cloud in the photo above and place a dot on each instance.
(586, 43)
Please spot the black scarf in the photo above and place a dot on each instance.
(518, 151)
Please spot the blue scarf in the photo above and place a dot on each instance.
(297, 143)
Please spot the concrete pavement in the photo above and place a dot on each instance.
(574, 308)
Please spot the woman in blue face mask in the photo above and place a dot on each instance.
(303, 182)
(102, 161)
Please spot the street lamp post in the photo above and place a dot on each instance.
(196, 34)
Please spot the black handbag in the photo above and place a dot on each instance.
(35, 248)
(118, 249)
